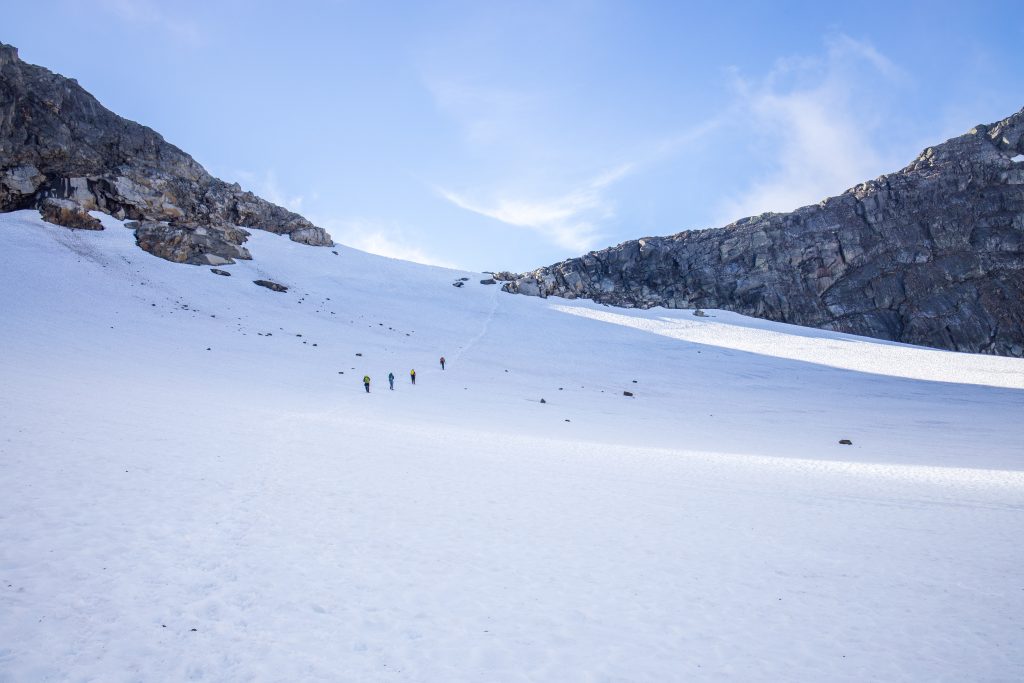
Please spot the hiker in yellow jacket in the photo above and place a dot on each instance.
(366, 383)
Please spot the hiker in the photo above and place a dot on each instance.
(442, 362)
(391, 380)
(366, 383)
(412, 374)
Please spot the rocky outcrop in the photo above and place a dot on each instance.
(932, 255)
(57, 142)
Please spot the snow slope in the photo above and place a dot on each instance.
(194, 485)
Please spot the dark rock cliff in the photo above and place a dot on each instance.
(932, 255)
(64, 153)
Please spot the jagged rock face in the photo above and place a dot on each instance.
(58, 142)
(197, 245)
(930, 255)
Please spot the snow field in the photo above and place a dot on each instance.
(711, 528)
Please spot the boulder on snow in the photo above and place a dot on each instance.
(271, 285)
(489, 281)
(627, 393)
(66, 213)
(846, 442)
(218, 271)
(458, 284)
(199, 245)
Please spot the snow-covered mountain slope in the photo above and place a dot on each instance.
(195, 486)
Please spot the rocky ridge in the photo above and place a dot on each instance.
(64, 153)
(932, 255)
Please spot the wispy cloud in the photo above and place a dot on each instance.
(527, 132)
(267, 186)
(382, 238)
(486, 114)
(570, 220)
(818, 116)
(149, 14)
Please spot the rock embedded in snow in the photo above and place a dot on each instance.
(218, 271)
(932, 255)
(269, 284)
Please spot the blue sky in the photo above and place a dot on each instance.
(514, 135)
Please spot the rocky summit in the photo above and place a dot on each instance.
(65, 154)
(932, 255)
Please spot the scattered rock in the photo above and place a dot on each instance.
(489, 281)
(846, 442)
(218, 271)
(699, 313)
(627, 393)
(271, 285)
(458, 284)
(543, 401)
(359, 354)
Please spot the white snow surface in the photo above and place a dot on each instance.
(184, 496)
